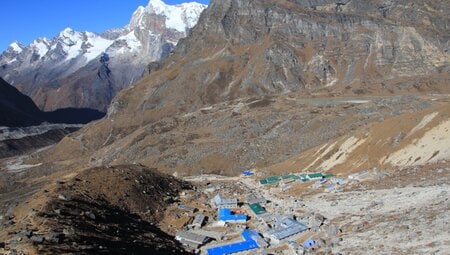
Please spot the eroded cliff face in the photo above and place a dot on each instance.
(268, 47)
(247, 63)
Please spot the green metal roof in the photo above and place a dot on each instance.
(304, 177)
(270, 180)
(275, 179)
(315, 175)
(257, 208)
(290, 176)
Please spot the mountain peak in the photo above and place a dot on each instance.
(75, 57)
(41, 40)
(67, 32)
(139, 10)
(157, 6)
(40, 46)
(179, 17)
(16, 46)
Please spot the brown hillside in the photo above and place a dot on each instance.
(195, 113)
(111, 210)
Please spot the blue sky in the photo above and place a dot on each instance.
(26, 20)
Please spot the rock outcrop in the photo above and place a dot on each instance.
(248, 48)
(113, 210)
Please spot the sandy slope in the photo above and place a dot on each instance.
(409, 220)
(417, 138)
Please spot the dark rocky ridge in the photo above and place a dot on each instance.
(29, 143)
(18, 110)
(111, 210)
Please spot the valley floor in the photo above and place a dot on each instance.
(381, 210)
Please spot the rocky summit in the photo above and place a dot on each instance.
(85, 69)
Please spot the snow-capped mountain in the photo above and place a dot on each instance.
(85, 69)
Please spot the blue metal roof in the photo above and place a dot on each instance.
(249, 243)
(248, 173)
(250, 235)
(309, 243)
(226, 215)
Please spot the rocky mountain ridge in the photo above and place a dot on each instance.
(18, 110)
(272, 47)
(357, 89)
(25, 128)
(259, 60)
(85, 69)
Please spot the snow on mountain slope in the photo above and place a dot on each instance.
(131, 41)
(41, 46)
(72, 42)
(96, 45)
(179, 17)
(77, 44)
(17, 47)
(47, 68)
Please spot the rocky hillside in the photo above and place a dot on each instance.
(20, 140)
(408, 140)
(233, 93)
(255, 48)
(111, 210)
(86, 70)
(355, 88)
